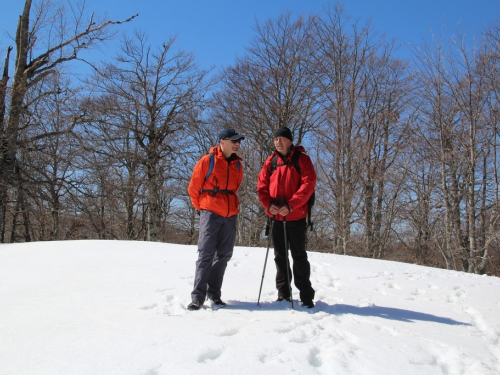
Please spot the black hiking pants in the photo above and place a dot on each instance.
(296, 236)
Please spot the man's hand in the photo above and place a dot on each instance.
(273, 209)
(283, 211)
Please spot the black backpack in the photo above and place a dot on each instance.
(295, 162)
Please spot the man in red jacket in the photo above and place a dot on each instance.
(284, 193)
(213, 191)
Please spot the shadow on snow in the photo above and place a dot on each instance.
(390, 313)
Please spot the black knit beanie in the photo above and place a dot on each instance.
(284, 132)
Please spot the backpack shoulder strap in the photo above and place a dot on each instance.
(211, 166)
(274, 163)
(295, 160)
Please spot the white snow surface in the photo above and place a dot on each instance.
(119, 307)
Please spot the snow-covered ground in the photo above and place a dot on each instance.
(118, 307)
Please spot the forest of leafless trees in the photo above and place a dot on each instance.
(407, 152)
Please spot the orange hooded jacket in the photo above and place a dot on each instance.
(225, 175)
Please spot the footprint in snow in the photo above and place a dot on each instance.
(314, 357)
(148, 307)
(228, 332)
(210, 354)
(270, 355)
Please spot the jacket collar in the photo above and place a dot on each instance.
(293, 149)
(217, 152)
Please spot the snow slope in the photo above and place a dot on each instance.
(118, 307)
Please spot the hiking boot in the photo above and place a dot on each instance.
(308, 303)
(283, 298)
(195, 305)
(218, 302)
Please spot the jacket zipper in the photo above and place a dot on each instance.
(227, 186)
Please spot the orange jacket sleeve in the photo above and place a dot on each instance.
(197, 180)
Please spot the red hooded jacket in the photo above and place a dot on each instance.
(224, 176)
(286, 182)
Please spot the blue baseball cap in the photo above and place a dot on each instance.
(230, 134)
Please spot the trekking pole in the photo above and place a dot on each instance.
(267, 252)
(287, 262)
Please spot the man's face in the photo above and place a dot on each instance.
(230, 147)
(282, 145)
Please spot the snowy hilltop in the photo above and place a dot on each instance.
(119, 307)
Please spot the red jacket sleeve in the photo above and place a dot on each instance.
(263, 184)
(308, 183)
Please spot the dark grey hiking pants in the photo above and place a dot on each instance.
(215, 249)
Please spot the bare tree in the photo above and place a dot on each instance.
(384, 113)
(45, 39)
(275, 84)
(420, 203)
(152, 94)
(46, 163)
(456, 98)
(437, 114)
(343, 54)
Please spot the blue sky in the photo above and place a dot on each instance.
(219, 30)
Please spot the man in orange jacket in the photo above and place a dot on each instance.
(213, 191)
(284, 192)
